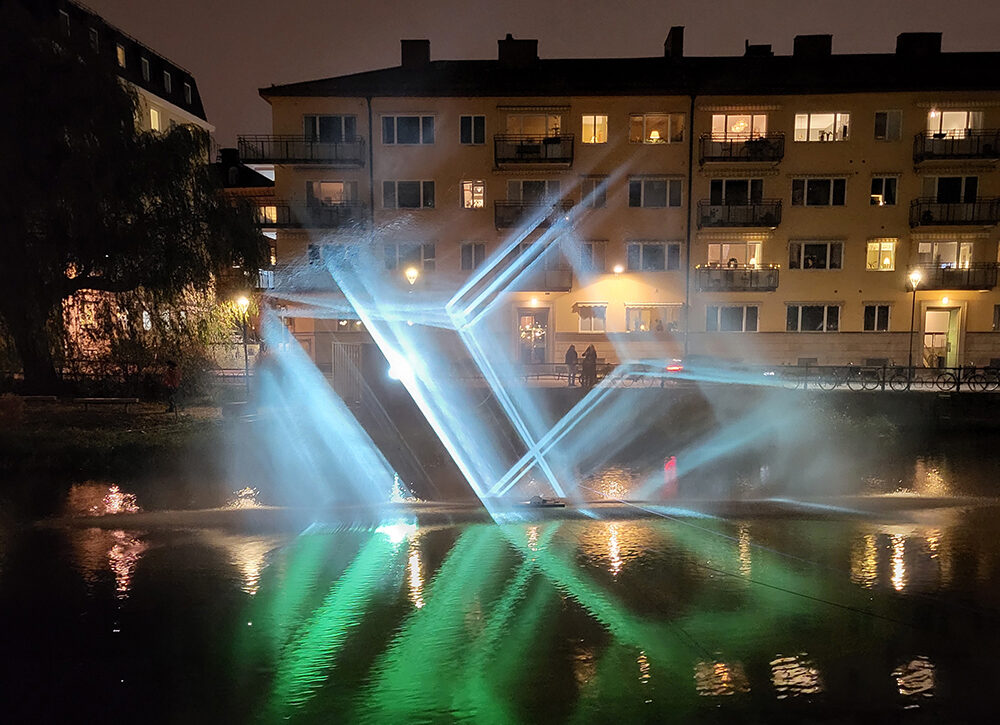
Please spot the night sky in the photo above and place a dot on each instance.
(233, 47)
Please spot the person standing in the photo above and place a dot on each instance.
(589, 377)
(172, 381)
(571, 362)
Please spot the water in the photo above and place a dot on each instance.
(775, 612)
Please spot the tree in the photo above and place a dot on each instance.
(89, 201)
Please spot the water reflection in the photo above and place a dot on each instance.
(915, 678)
(720, 678)
(248, 555)
(898, 561)
(643, 662)
(611, 545)
(794, 676)
(414, 573)
(745, 544)
(117, 551)
(903, 557)
(246, 498)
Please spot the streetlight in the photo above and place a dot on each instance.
(243, 305)
(411, 275)
(914, 278)
(618, 269)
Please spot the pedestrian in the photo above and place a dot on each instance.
(571, 361)
(589, 377)
(172, 381)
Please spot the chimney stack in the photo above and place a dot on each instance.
(918, 45)
(517, 53)
(415, 53)
(813, 46)
(673, 46)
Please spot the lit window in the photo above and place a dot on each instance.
(815, 255)
(406, 255)
(819, 192)
(876, 318)
(154, 119)
(594, 191)
(652, 256)
(881, 255)
(654, 193)
(742, 254)
(945, 254)
(652, 318)
(738, 126)
(953, 124)
(120, 54)
(822, 126)
(167, 82)
(534, 124)
(731, 318)
(188, 94)
(472, 130)
(407, 130)
(888, 125)
(95, 40)
(473, 194)
(408, 194)
(473, 255)
(595, 129)
(144, 62)
(813, 318)
(592, 257)
(884, 190)
(593, 318)
(268, 214)
(331, 192)
(330, 129)
(656, 128)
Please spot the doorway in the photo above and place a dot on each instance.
(533, 328)
(941, 328)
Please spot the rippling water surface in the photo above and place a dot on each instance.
(795, 617)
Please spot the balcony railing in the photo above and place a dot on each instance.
(770, 147)
(928, 212)
(282, 215)
(301, 150)
(971, 277)
(509, 148)
(977, 144)
(764, 213)
(509, 214)
(741, 278)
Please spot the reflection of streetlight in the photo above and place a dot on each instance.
(411, 275)
(915, 278)
(243, 305)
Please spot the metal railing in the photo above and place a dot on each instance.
(509, 148)
(282, 215)
(508, 214)
(969, 144)
(886, 377)
(982, 276)
(300, 150)
(764, 213)
(770, 147)
(740, 278)
(929, 212)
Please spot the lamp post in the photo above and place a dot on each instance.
(914, 278)
(411, 275)
(243, 304)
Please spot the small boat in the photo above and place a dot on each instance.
(542, 503)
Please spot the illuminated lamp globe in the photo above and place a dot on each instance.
(243, 304)
(618, 269)
(411, 275)
(915, 278)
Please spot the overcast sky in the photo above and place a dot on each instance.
(234, 47)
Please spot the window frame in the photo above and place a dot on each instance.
(467, 189)
(553, 190)
(826, 317)
(168, 82)
(877, 306)
(830, 244)
(145, 69)
(590, 251)
(422, 125)
(94, 38)
(729, 135)
(837, 134)
(477, 255)
(661, 140)
(670, 251)
(594, 192)
(155, 123)
(472, 129)
(973, 122)
(594, 125)
(669, 183)
(879, 245)
(313, 125)
(716, 320)
(422, 191)
(804, 195)
(878, 198)
(349, 191)
(593, 318)
(752, 260)
(425, 260)
(888, 136)
(188, 93)
(120, 55)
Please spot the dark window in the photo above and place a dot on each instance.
(472, 129)
(876, 318)
(388, 129)
(884, 191)
(408, 194)
(813, 318)
(731, 319)
(819, 192)
(654, 193)
(473, 255)
(407, 129)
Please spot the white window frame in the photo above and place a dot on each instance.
(477, 255)
(473, 191)
(878, 249)
(935, 122)
(805, 190)
(588, 322)
(425, 260)
(472, 129)
(155, 121)
(168, 82)
(395, 194)
(670, 137)
(805, 127)
(594, 256)
(349, 191)
(642, 245)
(598, 123)
(311, 126)
(188, 93)
(888, 316)
(144, 63)
(826, 315)
(669, 183)
(879, 198)
(928, 253)
(594, 192)
(747, 317)
(719, 253)
(830, 244)
(756, 129)
(893, 126)
(635, 310)
(421, 119)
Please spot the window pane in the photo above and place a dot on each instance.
(894, 129)
(676, 127)
(881, 126)
(792, 319)
(890, 191)
(407, 129)
(427, 129)
(751, 324)
(839, 191)
(711, 319)
(479, 129)
(350, 128)
(632, 255)
(331, 129)
(388, 129)
(653, 257)
(675, 192)
(801, 127)
(882, 318)
(673, 256)
(408, 194)
(869, 317)
(479, 253)
(798, 191)
(635, 193)
(832, 319)
(657, 128)
(389, 251)
(389, 194)
(731, 319)
(873, 259)
(465, 131)
(467, 256)
(654, 193)
(836, 252)
(794, 255)
(818, 192)
(812, 318)
(428, 194)
(821, 126)
(814, 256)
(635, 125)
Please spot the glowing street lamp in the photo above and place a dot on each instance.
(411, 275)
(243, 305)
(914, 278)
(618, 269)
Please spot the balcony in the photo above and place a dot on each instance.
(928, 212)
(978, 144)
(971, 277)
(282, 215)
(509, 148)
(555, 279)
(765, 213)
(767, 148)
(507, 214)
(740, 278)
(301, 150)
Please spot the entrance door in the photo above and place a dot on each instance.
(941, 337)
(346, 371)
(533, 327)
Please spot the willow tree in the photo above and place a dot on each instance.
(91, 202)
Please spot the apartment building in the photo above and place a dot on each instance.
(756, 207)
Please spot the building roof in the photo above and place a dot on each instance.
(752, 74)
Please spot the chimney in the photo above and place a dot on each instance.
(517, 53)
(813, 46)
(673, 46)
(415, 53)
(756, 51)
(918, 45)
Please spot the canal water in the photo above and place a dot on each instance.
(884, 603)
